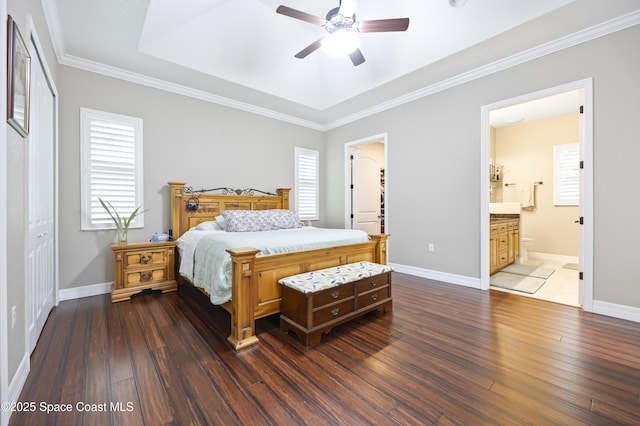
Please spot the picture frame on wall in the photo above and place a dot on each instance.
(18, 76)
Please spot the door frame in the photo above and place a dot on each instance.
(586, 201)
(4, 331)
(381, 137)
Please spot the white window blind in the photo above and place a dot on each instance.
(566, 174)
(307, 183)
(111, 156)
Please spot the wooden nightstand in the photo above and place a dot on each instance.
(143, 265)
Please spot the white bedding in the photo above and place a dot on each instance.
(205, 262)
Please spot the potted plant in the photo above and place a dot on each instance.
(122, 223)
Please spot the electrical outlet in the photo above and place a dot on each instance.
(13, 316)
(431, 247)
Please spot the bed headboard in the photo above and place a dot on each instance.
(211, 205)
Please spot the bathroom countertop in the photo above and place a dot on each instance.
(497, 218)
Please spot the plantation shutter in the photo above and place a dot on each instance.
(307, 183)
(566, 174)
(112, 167)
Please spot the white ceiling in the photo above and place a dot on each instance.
(241, 53)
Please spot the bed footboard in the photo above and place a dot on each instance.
(255, 289)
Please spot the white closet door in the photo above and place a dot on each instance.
(41, 246)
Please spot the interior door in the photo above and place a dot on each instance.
(41, 218)
(366, 192)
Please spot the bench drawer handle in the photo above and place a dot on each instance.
(374, 297)
(373, 283)
(335, 294)
(335, 311)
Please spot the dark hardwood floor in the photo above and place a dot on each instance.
(445, 355)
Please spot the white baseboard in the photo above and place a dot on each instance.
(84, 291)
(437, 276)
(18, 381)
(617, 311)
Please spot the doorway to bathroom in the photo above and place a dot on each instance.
(525, 140)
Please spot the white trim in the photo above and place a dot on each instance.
(19, 379)
(617, 311)
(84, 291)
(384, 137)
(583, 36)
(444, 277)
(179, 89)
(586, 262)
(4, 332)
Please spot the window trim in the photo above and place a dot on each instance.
(86, 116)
(300, 152)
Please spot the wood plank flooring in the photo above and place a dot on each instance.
(445, 355)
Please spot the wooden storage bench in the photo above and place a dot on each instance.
(315, 302)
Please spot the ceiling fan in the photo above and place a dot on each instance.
(341, 25)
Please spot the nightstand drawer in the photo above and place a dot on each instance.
(147, 257)
(144, 277)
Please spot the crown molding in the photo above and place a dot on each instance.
(596, 31)
(118, 73)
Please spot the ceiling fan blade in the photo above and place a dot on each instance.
(309, 49)
(303, 16)
(348, 8)
(384, 25)
(356, 57)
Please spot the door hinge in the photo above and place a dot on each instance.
(581, 221)
(352, 186)
(581, 109)
(352, 216)
(581, 164)
(580, 275)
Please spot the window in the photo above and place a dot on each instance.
(111, 167)
(307, 183)
(566, 174)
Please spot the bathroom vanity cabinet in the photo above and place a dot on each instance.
(504, 243)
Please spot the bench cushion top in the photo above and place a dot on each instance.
(310, 282)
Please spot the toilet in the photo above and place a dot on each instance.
(525, 244)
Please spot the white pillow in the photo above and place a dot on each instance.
(208, 226)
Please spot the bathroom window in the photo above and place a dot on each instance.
(566, 174)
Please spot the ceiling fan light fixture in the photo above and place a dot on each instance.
(457, 3)
(340, 42)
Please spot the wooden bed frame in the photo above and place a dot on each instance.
(255, 289)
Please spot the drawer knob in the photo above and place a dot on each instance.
(335, 294)
(145, 259)
(374, 297)
(373, 283)
(146, 276)
(335, 311)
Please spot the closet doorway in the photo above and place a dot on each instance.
(365, 195)
(512, 138)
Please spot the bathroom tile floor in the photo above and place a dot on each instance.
(560, 287)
